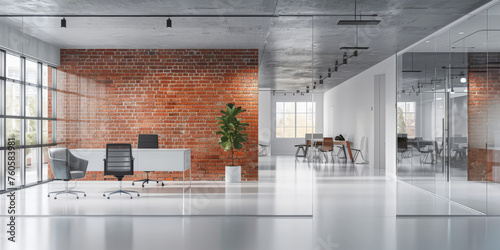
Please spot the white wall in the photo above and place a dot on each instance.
(14, 40)
(352, 105)
(265, 116)
(285, 146)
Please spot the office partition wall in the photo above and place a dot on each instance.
(448, 102)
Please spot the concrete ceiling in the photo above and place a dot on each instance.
(298, 40)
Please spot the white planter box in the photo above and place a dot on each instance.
(233, 174)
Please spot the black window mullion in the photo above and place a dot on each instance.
(54, 104)
(22, 131)
(3, 169)
(39, 121)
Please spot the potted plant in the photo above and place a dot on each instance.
(233, 136)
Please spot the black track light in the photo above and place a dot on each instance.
(336, 68)
(314, 87)
(307, 91)
(169, 23)
(298, 91)
(344, 61)
(329, 72)
(320, 79)
(63, 23)
(355, 53)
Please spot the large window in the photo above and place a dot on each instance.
(295, 119)
(406, 118)
(27, 116)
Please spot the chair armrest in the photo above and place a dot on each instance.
(56, 159)
(60, 169)
(78, 163)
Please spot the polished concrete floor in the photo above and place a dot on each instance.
(295, 205)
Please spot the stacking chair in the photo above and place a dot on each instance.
(119, 162)
(425, 150)
(65, 166)
(403, 148)
(264, 141)
(357, 151)
(147, 141)
(327, 146)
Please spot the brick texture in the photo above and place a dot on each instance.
(484, 115)
(112, 95)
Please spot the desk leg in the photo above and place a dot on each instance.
(184, 179)
(349, 149)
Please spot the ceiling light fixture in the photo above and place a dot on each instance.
(357, 47)
(356, 21)
(169, 23)
(63, 23)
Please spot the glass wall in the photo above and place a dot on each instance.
(448, 117)
(26, 116)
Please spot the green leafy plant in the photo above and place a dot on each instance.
(232, 129)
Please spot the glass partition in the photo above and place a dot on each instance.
(452, 79)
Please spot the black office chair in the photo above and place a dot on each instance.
(65, 166)
(425, 148)
(403, 148)
(119, 162)
(148, 141)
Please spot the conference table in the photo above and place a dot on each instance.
(345, 144)
(145, 159)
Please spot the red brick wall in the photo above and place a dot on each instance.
(111, 96)
(484, 115)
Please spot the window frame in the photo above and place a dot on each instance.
(37, 119)
(295, 113)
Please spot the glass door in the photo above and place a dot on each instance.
(466, 146)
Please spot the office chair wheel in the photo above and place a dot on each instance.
(130, 197)
(137, 195)
(55, 197)
(84, 195)
(157, 182)
(77, 197)
(48, 195)
(162, 184)
(142, 185)
(108, 197)
(104, 195)
(132, 183)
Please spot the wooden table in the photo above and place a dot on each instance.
(345, 144)
(342, 143)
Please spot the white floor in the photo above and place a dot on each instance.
(295, 205)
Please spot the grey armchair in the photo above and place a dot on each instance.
(65, 166)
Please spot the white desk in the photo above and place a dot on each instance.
(145, 159)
